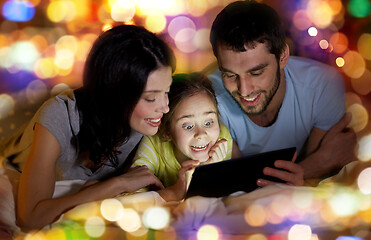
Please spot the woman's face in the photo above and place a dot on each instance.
(153, 102)
(195, 128)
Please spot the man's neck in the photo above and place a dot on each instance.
(269, 116)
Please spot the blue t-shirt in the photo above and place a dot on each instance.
(315, 97)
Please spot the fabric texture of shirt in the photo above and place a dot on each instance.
(158, 156)
(314, 98)
(61, 117)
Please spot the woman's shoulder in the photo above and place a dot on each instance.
(60, 110)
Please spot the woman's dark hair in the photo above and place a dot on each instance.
(115, 75)
(183, 87)
(245, 23)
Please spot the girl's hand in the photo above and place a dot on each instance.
(218, 152)
(291, 173)
(177, 191)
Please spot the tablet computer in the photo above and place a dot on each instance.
(239, 174)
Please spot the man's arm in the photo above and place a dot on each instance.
(328, 151)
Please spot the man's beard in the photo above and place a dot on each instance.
(267, 98)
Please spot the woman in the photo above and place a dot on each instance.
(91, 132)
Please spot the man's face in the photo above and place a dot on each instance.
(251, 77)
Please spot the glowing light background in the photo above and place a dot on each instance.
(43, 45)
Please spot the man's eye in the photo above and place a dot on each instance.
(208, 123)
(188, 127)
(230, 76)
(257, 73)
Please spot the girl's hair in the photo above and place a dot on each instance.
(115, 75)
(183, 87)
(245, 23)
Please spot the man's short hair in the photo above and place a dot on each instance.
(242, 24)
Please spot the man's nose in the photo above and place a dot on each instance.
(245, 86)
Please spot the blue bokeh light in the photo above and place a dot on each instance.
(18, 11)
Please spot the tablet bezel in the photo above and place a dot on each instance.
(239, 174)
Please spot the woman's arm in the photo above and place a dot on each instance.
(35, 205)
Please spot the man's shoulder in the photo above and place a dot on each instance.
(309, 72)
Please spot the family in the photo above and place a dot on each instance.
(136, 126)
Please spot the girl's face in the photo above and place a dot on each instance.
(194, 128)
(153, 103)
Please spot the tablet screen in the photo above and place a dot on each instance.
(239, 174)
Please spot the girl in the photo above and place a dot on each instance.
(190, 134)
(90, 133)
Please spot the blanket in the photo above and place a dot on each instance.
(338, 208)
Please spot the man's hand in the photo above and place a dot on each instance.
(291, 173)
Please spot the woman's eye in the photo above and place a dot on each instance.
(188, 127)
(150, 100)
(208, 123)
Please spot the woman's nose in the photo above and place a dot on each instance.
(164, 105)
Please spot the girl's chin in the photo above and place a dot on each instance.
(203, 159)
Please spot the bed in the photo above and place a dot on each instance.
(338, 208)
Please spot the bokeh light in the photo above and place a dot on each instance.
(112, 209)
(123, 10)
(255, 215)
(320, 13)
(340, 62)
(155, 22)
(364, 46)
(354, 64)
(339, 41)
(95, 227)
(184, 40)
(208, 232)
(364, 150)
(359, 117)
(364, 181)
(18, 11)
(36, 91)
(156, 217)
(23, 54)
(300, 232)
(312, 31)
(7, 104)
(56, 234)
(301, 20)
(257, 236)
(359, 8)
(179, 23)
(344, 204)
(61, 11)
(130, 221)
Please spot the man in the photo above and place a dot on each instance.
(269, 100)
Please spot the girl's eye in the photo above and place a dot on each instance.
(208, 123)
(187, 127)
